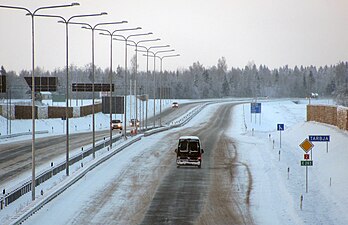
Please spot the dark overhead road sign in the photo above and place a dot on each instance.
(2, 84)
(117, 105)
(43, 83)
(87, 87)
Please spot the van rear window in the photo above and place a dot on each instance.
(188, 145)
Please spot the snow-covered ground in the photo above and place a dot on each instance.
(275, 195)
(82, 124)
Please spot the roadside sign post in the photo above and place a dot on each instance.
(255, 107)
(280, 128)
(288, 172)
(306, 179)
(307, 146)
(321, 138)
(279, 155)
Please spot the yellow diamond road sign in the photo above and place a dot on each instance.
(306, 145)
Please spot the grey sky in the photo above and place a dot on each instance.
(274, 33)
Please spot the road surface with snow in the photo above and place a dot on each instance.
(246, 177)
(15, 157)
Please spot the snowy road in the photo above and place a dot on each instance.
(246, 177)
(142, 185)
(15, 157)
(195, 196)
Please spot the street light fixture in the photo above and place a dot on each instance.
(161, 72)
(93, 28)
(147, 68)
(32, 14)
(136, 44)
(109, 33)
(154, 80)
(66, 22)
(125, 39)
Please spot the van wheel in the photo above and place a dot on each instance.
(199, 166)
(177, 166)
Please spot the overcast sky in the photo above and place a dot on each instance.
(270, 32)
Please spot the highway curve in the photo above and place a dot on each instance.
(15, 157)
(211, 195)
(149, 189)
(169, 114)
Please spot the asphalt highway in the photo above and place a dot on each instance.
(15, 157)
(188, 195)
(150, 190)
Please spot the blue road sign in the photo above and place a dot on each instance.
(280, 126)
(323, 138)
(255, 107)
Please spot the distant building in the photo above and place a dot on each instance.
(46, 95)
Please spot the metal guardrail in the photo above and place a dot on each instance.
(26, 187)
(181, 122)
(13, 195)
(47, 174)
(58, 191)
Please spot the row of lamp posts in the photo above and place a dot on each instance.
(113, 34)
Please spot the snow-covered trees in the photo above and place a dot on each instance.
(199, 81)
(341, 79)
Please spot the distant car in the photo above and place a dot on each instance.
(175, 105)
(189, 152)
(134, 122)
(314, 95)
(116, 124)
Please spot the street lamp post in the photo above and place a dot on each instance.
(161, 59)
(32, 14)
(147, 68)
(125, 39)
(154, 80)
(93, 28)
(136, 44)
(111, 34)
(161, 72)
(66, 22)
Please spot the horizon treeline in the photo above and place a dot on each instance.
(198, 81)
